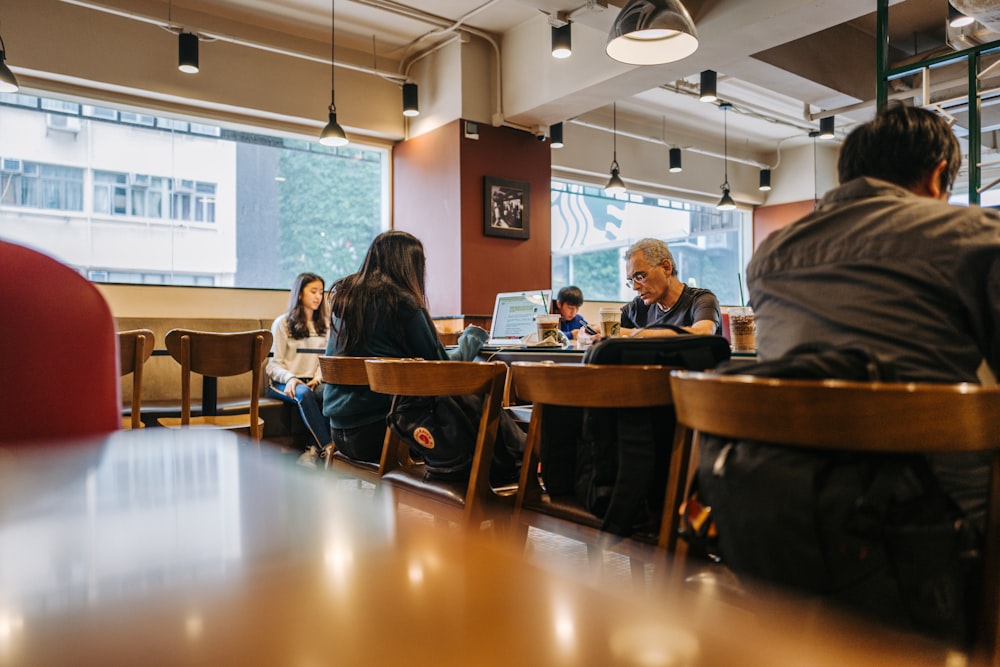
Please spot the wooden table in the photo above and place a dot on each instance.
(177, 547)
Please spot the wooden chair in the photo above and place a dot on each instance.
(470, 502)
(601, 386)
(216, 355)
(349, 371)
(134, 348)
(869, 417)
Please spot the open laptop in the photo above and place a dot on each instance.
(514, 316)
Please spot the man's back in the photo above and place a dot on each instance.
(911, 278)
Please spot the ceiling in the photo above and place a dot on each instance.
(781, 63)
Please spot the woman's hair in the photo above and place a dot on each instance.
(902, 145)
(392, 274)
(296, 316)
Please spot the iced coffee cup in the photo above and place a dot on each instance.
(548, 327)
(742, 329)
(610, 322)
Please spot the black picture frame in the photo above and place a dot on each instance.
(505, 208)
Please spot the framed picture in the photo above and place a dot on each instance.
(505, 208)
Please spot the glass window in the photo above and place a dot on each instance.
(590, 233)
(196, 202)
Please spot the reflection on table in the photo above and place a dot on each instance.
(192, 547)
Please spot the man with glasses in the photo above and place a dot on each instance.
(664, 304)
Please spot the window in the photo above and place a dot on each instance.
(36, 185)
(171, 200)
(590, 233)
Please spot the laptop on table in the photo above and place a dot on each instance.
(514, 316)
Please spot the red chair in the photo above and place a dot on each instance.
(58, 351)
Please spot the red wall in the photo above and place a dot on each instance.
(767, 219)
(438, 197)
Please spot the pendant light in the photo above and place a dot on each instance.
(707, 86)
(615, 185)
(187, 52)
(562, 41)
(826, 128)
(8, 84)
(556, 135)
(764, 182)
(652, 32)
(726, 203)
(675, 161)
(411, 106)
(333, 134)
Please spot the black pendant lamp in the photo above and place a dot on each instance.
(333, 134)
(764, 184)
(556, 135)
(726, 203)
(675, 161)
(411, 106)
(652, 32)
(615, 184)
(707, 86)
(562, 41)
(187, 52)
(8, 83)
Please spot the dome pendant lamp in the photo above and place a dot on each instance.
(333, 134)
(615, 184)
(726, 203)
(652, 32)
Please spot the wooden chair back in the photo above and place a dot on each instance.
(134, 348)
(347, 371)
(859, 416)
(475, 500)
(214, 354)
(592, 386)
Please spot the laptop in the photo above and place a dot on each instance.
(514, 316)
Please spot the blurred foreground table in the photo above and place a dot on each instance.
(176, 547)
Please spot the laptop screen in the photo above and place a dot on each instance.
(514, 315)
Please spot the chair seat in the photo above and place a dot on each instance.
(564, 507)
(127, 423)
(218, 422)
(340, 458)
(451, 492)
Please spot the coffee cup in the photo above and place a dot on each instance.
(548, 327)
(610, 322)
(743, 329)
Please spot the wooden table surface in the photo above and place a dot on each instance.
(177, 547)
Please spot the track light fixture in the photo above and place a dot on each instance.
(187, 52)
(411, 106)
(675, 161)
(706, 88)
(764, 184)
(957, 19)
(562, 41)
(556, 135)
(826, 128)
(615, 184)
(726, 203)
(333, 134)
(652, 32)
(8, 84)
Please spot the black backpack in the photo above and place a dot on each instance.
(873, 532)
(615, 460)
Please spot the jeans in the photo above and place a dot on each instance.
(310, 407)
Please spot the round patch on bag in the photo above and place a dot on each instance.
(424, 437)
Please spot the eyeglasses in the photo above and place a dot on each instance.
(638, 277)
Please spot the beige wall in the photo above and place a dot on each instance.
(216, 302)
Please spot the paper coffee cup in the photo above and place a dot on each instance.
(548, 326)
(610, 322)
(743, 329)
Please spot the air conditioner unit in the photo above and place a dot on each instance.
(56, 121)
(12, 165)
(139, 179)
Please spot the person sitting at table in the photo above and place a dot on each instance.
(663, 300)
(300, 336)
(381, 311)
(568, 303)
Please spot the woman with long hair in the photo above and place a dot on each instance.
(300, 337)
(381, 311)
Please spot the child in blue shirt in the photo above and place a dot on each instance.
(568, 303)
